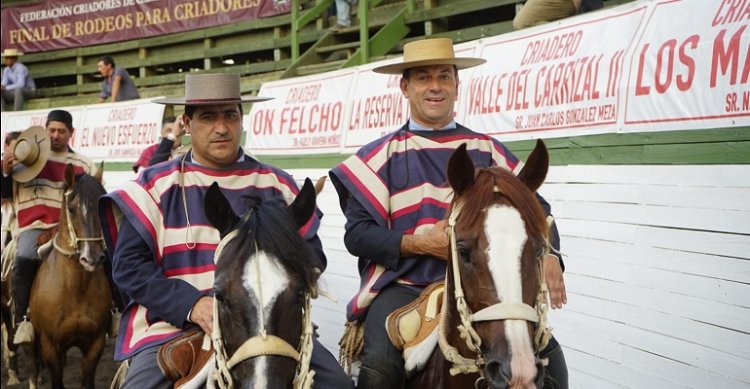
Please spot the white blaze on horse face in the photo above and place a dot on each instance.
(264, 277)
(506, 234)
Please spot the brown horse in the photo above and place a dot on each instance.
(493, 323)
(70, 298)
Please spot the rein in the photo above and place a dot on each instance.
(500, 311)
(262, 344)
(74, 239)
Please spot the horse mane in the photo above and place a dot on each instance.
(270, 225)
(482, 194)
(89, 189)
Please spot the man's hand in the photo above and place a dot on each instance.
(9, 161)
(203, 314)
(178, 128)
(433, 242)
(555, 282)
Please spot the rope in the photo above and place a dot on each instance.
(351, 344)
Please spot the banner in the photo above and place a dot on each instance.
(113, 132)
(307, 115)
(55, 25)
(552, 78)
(694, 73)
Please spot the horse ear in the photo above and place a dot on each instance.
(99, 172)
(70, 176)
(535, 170)
(320, 184)
(303, 206)
(460, 170)
(218, 210)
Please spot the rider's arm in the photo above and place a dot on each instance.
(139, 277)
(365, 238)
(554, 236)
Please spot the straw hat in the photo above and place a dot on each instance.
(211, 89)
(11, 53)
(426, 52)
(31, 151)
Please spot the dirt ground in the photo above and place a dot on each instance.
(72, 377)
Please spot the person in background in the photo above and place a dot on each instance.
(344, 10)
(166, 270)
(536, 12)
(394, 195)
(117, 82)
(169, 146)
(37, 179)
(17, 83)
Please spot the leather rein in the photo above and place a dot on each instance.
(536, 314)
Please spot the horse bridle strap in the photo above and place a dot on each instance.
(505, 311)
(259, 346)
(74, 239)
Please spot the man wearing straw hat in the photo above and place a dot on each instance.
(17, 83)
(36, 172)
(396, 265)
(163, 278)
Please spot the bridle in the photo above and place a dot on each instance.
(72, 237)
(500, 311)
(263, 343)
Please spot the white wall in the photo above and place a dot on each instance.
(657, 273)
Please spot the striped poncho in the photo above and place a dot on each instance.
(182, 248)
(401, 180)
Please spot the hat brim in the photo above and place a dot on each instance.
(182, 101)
(40, 136)
(460, 63)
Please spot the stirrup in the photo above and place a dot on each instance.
(24, 333)
(114, 326)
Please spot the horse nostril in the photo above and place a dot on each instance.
(497, 373)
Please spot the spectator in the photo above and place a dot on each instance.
(117, 82)
(536, 12)
(169, 146)
(17, 84)
(344, 14)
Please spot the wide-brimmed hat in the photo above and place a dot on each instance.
(11, 53)
(31, 151)
(211, 89)
(427, 52)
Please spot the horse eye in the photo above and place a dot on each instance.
(464, 253)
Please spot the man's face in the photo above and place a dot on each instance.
(215, 133)
(59, 135)
(9, 61)
(432, 93)
(103, 68)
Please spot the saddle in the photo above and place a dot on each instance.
(413, 327)
(183, 358)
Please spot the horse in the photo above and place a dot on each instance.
(7, 309)
(70, 297)
(493, 323)
(263, 284)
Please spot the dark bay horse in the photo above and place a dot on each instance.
(263, 283)
(493, 323)
(70, 298)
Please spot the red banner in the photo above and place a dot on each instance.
(55, 25)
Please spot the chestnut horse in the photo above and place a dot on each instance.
(70, 298)
(493, 323)
(263, 283)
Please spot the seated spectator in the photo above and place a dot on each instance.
(344, 14)
(117, 82)
(17, 83)
(536, 12)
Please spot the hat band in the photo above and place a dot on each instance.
(227, 100)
